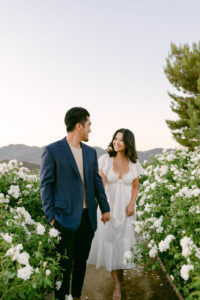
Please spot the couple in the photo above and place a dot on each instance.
(72, 182)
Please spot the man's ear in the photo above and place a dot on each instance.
(78, 126)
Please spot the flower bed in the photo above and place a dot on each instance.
(168, 218)
(28, 263)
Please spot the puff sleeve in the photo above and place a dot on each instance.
(102, 162)
(137, 169)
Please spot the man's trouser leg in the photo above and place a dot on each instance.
(67, 243)
(83, 241)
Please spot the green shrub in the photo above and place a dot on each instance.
(28, 264)
(168, 217)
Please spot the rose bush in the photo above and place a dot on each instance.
(168, 218)
(28, 263)
(21, 187)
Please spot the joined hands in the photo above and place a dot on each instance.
(105, 217)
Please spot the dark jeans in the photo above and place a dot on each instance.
(77, 244)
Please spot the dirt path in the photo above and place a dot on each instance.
(137, 285)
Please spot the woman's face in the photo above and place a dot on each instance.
(118, 143)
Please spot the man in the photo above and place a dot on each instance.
(69, 184)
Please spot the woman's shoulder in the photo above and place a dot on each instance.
(134, 163)
(103, 160)
(104, 155)
(137, 167)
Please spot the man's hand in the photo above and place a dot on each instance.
(52, 222)
(105, 217)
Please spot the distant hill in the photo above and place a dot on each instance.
(30, 155)
(21, 153)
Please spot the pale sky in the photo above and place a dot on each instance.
(107, 56)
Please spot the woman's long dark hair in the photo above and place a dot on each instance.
(129, 141)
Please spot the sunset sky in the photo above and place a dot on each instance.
(107, 56)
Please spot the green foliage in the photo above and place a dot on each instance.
(168, 218)
(14, 175)
(183, 72)
(28, 261)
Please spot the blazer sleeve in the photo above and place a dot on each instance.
(99, 190)
(47, 179)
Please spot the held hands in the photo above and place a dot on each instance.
(129, 210)
(105, 217)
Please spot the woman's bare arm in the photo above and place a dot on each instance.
(130, 207)
(103, 177)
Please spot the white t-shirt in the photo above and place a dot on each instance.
(78, 156)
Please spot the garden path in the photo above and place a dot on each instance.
(137, 285)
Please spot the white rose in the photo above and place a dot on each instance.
(29, 186)
(40, 229)
(165, 244)
(154, 251)
(7, 237)
(23, 258)
(48, 272)
(159, 229)
(25, 273)
(14, 252)
(139, 213)
(187, 246)
(12, 164)
(58, 285)
(44, 264)
(14, 191)
(53, 232)
(185, 270)
(128, 255)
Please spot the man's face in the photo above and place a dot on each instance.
(85, 130)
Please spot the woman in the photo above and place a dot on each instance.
(120, 170)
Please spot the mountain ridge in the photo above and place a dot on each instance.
(32, 154)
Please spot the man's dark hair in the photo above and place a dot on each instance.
(75, 115)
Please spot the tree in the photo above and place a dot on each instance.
(183, 72)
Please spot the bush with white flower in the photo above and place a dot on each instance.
(168, 218)
(20, 187)
(28, 264)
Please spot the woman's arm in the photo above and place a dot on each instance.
(130, 207)
(103, 177)
(100, 192)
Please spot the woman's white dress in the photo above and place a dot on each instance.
(117, 236)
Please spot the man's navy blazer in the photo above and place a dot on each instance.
(62, 189)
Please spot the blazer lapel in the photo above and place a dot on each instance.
(69, 156)
(85, 162)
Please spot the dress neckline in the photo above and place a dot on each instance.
(118, 173)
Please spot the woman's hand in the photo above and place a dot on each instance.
(130, 210)
(130, 207)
